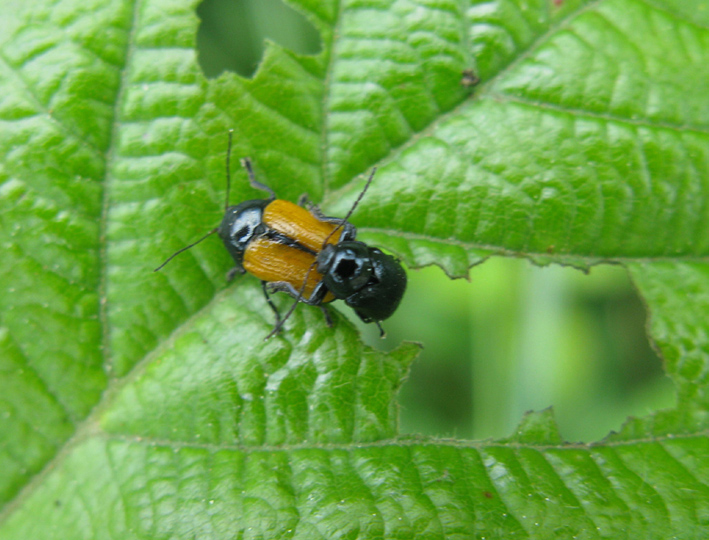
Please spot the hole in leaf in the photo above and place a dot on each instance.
(231, 36)
(519, 338)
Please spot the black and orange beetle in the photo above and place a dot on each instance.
(314, 258)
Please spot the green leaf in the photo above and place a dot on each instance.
(141, 405)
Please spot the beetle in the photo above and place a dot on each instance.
(294, 248)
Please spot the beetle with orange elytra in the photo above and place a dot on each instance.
(312, 257)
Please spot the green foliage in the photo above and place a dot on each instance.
(140, 405)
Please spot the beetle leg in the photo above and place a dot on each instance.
(315, 210)
(328, 317)
(231, 274)
(349, 232)
(283, 286)
(270, 303)
(305, 202)
(246, 163)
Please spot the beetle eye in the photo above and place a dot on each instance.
(352, 271)
(347, 268)
(353, 274)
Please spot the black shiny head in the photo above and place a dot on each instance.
(367, 279)
(241, 224)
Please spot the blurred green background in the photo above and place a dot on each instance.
(516, 337)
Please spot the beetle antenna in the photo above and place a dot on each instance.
(228, 170)
(210, 233)
(349, 214)
(246, 164)
(226, 205)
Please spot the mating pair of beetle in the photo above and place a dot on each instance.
(314, 258)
